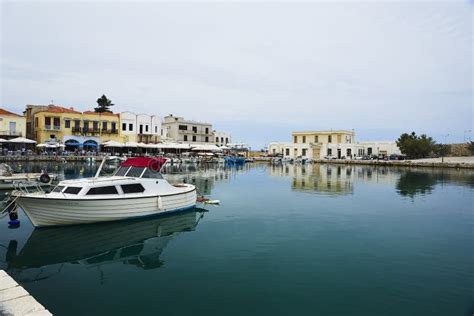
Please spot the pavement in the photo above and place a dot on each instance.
(468, 160)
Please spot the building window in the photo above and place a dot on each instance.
(47, 122)
(77, 123)
(316, 140)
(156, 129)
(217, 139)
(194, 138)
(114, 126)
(339, 138)
(207, 130)
(287, 151)
(130, 127)
(56, 123)
(67, 123)
(304, 139)
(195, 129)
(104, 126)
(185, 137)
(146, 128)
(295, 139)
(36, 122)
(303, 152)
(183, 127)
(86, 125)
(95, 126)
(207, 139)
(329, 138)
(124, 126)
(226, 140)
(329, 152)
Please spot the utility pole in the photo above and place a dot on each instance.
(445, 144)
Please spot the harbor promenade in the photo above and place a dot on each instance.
(15, 300)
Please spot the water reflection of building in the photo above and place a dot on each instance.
(331, 179)
(135, 242)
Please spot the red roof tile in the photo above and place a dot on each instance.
(5, 112)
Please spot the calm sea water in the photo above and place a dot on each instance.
(286, 240)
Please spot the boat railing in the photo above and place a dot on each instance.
(27, 187)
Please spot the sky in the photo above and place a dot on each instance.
(258, 70)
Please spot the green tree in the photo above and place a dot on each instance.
(103, 104)
(415, 146)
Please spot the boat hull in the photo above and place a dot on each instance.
(44, 212)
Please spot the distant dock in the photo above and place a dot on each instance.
(15, 300)
(49, 158)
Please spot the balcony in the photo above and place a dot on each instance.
(11, 133)
(76, 130)
(54, 128)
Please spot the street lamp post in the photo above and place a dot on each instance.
(445, 144)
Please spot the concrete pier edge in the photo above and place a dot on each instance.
(15, 300)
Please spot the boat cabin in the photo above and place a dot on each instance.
(129, 178)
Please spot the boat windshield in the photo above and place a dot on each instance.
(137, 172)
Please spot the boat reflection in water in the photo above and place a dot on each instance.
(135, 242)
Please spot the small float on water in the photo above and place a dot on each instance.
(136, 189)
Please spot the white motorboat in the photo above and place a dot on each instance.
(136, 189)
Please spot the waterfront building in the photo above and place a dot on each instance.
(138, 128)
(337, 144)
(221, 138)
(180, 130)
(12, 125)
(75, 129)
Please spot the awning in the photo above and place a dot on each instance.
(3, 140)
(154, 164)
(172, 146)
(206, 148)
(131, 144)
(22, 140)
(112, 143)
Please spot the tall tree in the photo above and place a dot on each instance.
(415, 146)
(103, 104)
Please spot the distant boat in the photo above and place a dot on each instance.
(136, 189)
(10, 180)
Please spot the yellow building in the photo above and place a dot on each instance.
(11, 125)
(317, 141)
(72, 128)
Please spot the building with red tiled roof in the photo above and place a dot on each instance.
(71, 127)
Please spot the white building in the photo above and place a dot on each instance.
(338, 144)
(221, 138)
(180, 130)
(140, 127)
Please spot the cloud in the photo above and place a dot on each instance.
(251, 67)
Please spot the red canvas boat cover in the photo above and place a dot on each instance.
(154, 164)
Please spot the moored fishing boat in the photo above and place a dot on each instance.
(136, 189)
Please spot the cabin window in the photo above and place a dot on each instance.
(121, 171)
(132, 188)
(59, 188)
(152, 174)
(135, 172)
(73, 190)
(103, 190)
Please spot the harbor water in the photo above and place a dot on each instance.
(286, 240)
